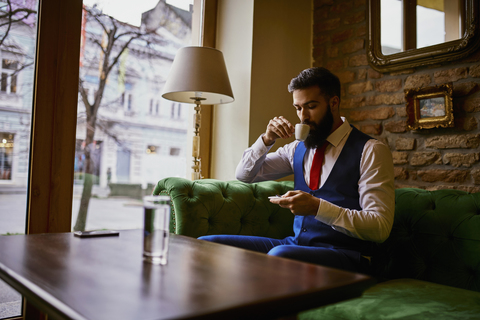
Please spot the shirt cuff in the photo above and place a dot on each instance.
(259, 146)
(327, 212)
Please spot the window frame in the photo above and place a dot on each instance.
(52, 150)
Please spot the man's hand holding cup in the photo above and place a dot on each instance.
(278, 127)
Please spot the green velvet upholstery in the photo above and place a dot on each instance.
(435, 237)
(205, 207)
(429, 267)
(404, 299)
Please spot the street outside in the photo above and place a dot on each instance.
(103, 213)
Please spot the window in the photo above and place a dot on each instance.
(176, 111)
(174, 151)
(9, 64)
(126, 101)
(9, 76)
(152, 149)
(4, 82)
(122, 120)
(129, 106)
(13, 83)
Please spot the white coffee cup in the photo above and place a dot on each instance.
(301, 131)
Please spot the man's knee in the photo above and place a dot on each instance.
(259, 244)
(322, 256)
(215, 238)
(206, 238)
(284, 251)
(229, 240)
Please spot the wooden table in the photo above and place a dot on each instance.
(105, 278)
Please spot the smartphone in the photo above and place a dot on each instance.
(274, 197)
(96, 233)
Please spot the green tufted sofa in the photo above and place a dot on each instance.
(429, 267)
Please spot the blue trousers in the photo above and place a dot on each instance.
(286, 248)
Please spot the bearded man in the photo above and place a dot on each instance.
(344, 196)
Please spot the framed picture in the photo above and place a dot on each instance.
(430, 107)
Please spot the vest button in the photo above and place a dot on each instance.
(304, 230)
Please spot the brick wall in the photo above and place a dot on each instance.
(374, 102)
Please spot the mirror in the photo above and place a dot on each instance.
(420, 32)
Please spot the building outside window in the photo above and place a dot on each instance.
(116, 151)
(124, 126)
(129, 103)
(128, 92)
(9, 76)
(153, 149)
(17, 56)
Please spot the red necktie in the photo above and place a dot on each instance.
(317, 166)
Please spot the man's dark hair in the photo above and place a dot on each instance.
(328, 83)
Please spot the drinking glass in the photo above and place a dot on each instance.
(156, 229)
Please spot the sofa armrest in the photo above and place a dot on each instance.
(209, 206)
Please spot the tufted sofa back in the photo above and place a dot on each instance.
(208, 206)
(435, 237)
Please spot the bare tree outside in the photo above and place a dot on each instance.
(15, 15)
(116, 38)
(18, 21)
(126, 133)
(108, 43)
(12, 13)
(122, 70)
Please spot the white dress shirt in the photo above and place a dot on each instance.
(375, 186)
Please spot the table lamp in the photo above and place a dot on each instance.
(198, 75)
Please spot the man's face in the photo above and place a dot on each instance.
(314, 110)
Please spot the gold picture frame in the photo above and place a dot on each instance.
(430, 107)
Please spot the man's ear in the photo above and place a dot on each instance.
(335, 104)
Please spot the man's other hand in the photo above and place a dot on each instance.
(298, 202)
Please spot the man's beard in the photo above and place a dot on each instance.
(319, 132)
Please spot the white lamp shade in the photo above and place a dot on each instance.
(198, 72)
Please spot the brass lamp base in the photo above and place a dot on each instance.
(197, 120)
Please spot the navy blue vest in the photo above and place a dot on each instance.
(340, 188)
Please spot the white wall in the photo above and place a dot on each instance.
(231, 121)
(265, 43)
